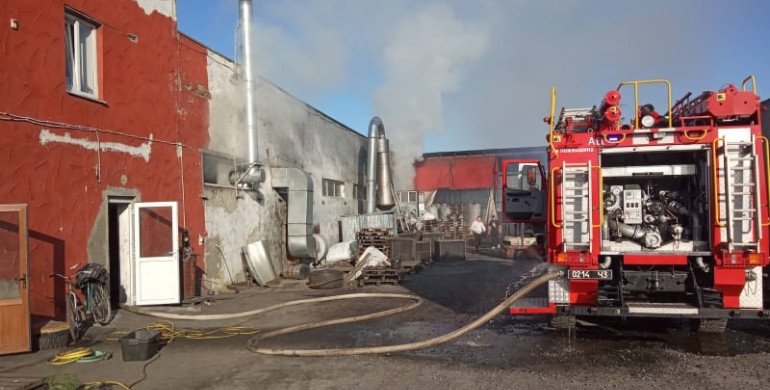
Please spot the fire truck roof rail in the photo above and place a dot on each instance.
(753, 83)
(636, 83)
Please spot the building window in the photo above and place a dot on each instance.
(333, 188)
(80, 61)
(407, 196)
(359, 192)
(218, 167)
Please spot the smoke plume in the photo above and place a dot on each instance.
(422, 61)
(481, 71)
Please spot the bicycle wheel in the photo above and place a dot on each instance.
(73, 316)
(100, 304)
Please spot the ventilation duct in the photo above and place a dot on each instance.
(299, 223)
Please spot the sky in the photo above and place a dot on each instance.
(476, 74)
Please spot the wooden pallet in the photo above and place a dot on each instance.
(12, 382)
(376, 277)
(379, 238)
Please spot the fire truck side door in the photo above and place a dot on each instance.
(523, 189)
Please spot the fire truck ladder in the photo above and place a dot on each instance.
(576, 206)
(742, 203)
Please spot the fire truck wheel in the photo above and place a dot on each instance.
(711, 325)
(562, 322)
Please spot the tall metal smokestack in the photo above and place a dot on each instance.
(379, 182)
(249, 79)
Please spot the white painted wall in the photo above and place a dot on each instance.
(291, 134)
(163, 7)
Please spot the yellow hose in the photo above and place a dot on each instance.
(69, 357)
(252, 344)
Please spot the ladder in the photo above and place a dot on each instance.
(576, 206)
(742, 203)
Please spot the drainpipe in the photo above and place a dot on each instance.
(299, 222)
(378, 178)
(252, 174)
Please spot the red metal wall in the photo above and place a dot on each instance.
(154, 87)
(455, 172)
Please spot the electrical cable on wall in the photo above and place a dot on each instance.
(5, 116)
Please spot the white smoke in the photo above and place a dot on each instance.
(422, 61)
(482, 70)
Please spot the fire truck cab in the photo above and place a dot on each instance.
(664, 214)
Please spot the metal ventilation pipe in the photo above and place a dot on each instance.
(299, 222)
(253, 175)
(378, 185)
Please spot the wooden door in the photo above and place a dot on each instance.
(14, 280)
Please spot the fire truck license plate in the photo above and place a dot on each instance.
(590, 274)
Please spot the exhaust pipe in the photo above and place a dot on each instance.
(378, 177)
(252, 173)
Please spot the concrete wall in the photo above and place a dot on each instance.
(291, 134)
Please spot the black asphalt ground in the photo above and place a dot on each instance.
(507, 352)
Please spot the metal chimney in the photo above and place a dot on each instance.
(378, 188)
(249, 79)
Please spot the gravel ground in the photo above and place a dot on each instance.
(505, 353)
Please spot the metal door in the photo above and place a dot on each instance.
(14, 280)
(156, 253)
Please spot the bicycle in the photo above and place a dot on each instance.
(92, 280)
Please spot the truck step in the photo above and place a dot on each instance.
(661, 308)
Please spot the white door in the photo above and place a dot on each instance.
(156, 253)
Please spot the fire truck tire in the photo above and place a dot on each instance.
(562, 322)
(711, 325)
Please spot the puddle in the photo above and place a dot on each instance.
(642, 335)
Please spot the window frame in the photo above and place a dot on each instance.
(333, 188)
(73, 55)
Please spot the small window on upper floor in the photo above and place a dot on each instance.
(81, 57)
(333, 188)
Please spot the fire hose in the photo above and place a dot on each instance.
(253, 343)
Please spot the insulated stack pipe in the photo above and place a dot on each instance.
(378, 176)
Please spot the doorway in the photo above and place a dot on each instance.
(119, 242)
(14, 280)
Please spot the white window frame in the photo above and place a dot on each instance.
(333, 188)
(79, 49)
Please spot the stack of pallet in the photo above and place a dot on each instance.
(454, 227)
(430, 225)
(376, 237)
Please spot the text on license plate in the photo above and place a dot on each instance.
(600, 274)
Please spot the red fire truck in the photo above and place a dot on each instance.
(662, 215)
